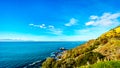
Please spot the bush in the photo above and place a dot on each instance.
(48, 63)
(90, 57)
(106, 64)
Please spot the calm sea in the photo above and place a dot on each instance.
(16, 54)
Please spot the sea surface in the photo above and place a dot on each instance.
(16, 54)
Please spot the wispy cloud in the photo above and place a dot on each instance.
(98, 25)
(55, 30)
(93, 17)
(40, 26)
(72, 22)
(91, 32)
(51, 28)
(107, 19)
(33, 25)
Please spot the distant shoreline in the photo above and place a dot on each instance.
(42, 41)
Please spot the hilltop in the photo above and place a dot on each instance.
(105, 48)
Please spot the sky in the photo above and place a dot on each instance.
(57, 20)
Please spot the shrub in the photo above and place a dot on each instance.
(106, 64)
(48, 63)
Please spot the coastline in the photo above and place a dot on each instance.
(38, 64)
(29, 52)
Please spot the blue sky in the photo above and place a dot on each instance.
(57, 20)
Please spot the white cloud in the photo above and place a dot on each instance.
(107, 19)
(33, 25)
(89, 23)
(51, 28)
(72, 21)
(93, 17)
(55, 30)
(42, 26)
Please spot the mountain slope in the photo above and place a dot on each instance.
(107, 46)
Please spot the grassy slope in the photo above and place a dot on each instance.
(107, 46)
(105, 64)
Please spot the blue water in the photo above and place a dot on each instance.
(15, 54)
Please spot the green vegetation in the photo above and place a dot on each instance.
(49, 63)
(105, 47)
(105, 64)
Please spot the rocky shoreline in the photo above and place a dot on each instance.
(38, 63)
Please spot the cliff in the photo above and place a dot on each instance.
(104, 48)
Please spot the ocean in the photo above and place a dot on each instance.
(16, 54)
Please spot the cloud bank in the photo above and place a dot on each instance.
(92, 29)
(107, 19)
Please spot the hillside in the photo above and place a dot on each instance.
(104, 48)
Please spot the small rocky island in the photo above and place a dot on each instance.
(58, 53)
